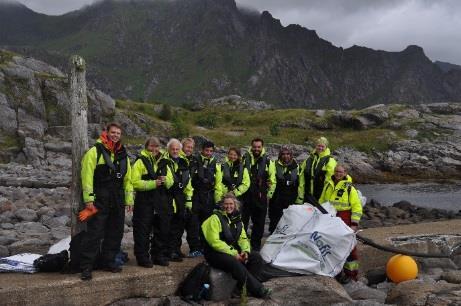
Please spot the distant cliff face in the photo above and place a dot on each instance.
(193, 50)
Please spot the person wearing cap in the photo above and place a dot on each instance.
(152, 213)
(107, 188)
(315, 170)
(286, 190)
(206, 177)
(340, 192)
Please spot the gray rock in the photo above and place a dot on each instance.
(4, 252)
(30, 126)
(222, 285)
(129, 127)
(34, 151)
(320, 113)
(417, 292)
(8, 216)
(18, 194)
(359, 291)
(37, 66)
(453, 276)
(106, 102)
(411, 133)
(7, 240)
(7, 226)
(53, 222)
(59, 147)
(26, 214)
(32, 245)
(7, 206)
(32, 227)
(8, 124)
(297, 290)
(61, 232)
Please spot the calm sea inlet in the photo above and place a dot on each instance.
(427, 194)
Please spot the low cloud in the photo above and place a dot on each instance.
(389, 25)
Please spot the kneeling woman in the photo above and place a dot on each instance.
(227, 247)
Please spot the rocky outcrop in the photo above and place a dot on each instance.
(232, 102)
(34, 105)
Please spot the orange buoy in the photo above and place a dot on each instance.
(401, 268)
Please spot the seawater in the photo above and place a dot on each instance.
(428, 194)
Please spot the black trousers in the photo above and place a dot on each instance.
(255, 208)
(151, 227)
(177, 222)
(203, 204)
(276, 206)
(106, 225)
(237, 269)
(192, 227)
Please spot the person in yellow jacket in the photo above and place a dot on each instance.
(206, 177)
(262, 185)
(151, 178)
(180, 195)
(340, 192)
(286, 191)
(191, 220)
(227, 247)
(315, 170)
(235, 177)
(107, 188)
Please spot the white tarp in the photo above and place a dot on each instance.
(19, 263)
(307, 241)
(61, 245)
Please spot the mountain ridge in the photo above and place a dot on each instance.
(195, 50)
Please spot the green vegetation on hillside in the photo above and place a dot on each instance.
(229, 127)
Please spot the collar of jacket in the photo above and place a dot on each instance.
(325, 152)
(149, 155)
(293, 161)
(226, 160)
(347, 179)
(263, 152)
(203, 158)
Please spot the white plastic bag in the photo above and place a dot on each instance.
(307, 241)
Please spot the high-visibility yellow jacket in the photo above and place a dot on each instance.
(139, 170)
(197, 182)
(89, 164)
(242, 180)
(212, 229)
(343, 196)
(249, 161)
(188, 190)
(317, 170)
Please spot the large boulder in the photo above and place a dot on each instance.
(320, 290)
(418, 292)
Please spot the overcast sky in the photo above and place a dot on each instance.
(389, 25)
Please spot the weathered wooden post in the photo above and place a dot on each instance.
(79, 109)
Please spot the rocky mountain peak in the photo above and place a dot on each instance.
(196, 50)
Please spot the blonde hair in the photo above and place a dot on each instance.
(188, 140)
(322, 140)
(231, 196)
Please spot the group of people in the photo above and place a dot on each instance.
(173, 191)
